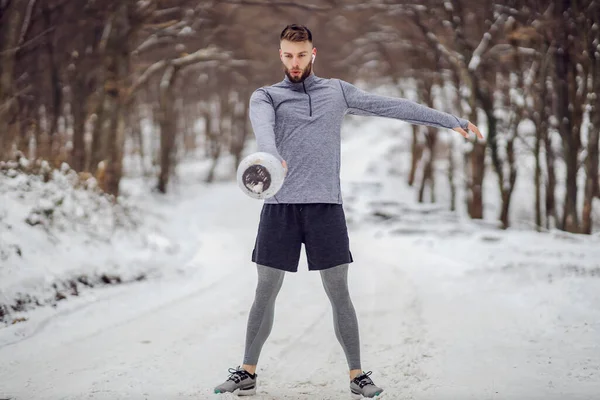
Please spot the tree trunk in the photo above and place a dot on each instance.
(189, 135)
(570, 220)
(451, 180)
(213, 146)
(591, 180)
(509, 186)
(216, 138)
(24, 142)
(78, 101)
(37, 135)
(428, 177)
(570, 136)
(537, 180)
(427, 180)
(505, 184)
(540, 117)
(9, 36)
(452, 145)
(168, 127)
(54, 110)
(477, 164)
(116, 69)
(240, 131)
(475, 159)
(416, 151)
(138, 137)
(592, 187)
(552, 219)
(97, 149)
(114, 170)
(246, 127)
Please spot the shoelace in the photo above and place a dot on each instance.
(237, 375)
(364, 380)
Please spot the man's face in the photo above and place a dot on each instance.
(297, 59)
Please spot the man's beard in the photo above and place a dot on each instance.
(302, 77)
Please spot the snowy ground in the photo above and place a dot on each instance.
(448, 308)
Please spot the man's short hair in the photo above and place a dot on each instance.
(296, 33)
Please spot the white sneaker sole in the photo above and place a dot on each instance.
(246, 392)
(358, 396)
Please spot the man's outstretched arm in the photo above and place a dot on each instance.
(361, 102)
(262, 118)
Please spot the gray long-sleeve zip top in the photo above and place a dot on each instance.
(301, 124)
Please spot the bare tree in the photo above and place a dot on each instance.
(591, 39)
(12, 15)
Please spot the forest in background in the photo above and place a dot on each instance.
(79, 78)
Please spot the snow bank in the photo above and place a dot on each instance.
(59, 234)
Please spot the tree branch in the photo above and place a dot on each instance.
(166, 11)
(436, 44)
(29, 42)
(485, 43)
(306, 7)
(26, 22)
(209, 54)
(151, 42)
(151, 70)
(206, 54)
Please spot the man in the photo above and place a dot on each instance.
(298, 120)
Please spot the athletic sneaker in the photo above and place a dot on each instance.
(363, 386)
(240, 382)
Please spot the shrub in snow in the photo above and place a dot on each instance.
(65, 200)
(59, 233)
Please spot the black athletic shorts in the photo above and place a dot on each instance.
(284, 227)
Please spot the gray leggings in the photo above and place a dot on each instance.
(260, 320)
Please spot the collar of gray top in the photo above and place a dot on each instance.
(308, 82)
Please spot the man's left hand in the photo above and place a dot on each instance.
(470, 127)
